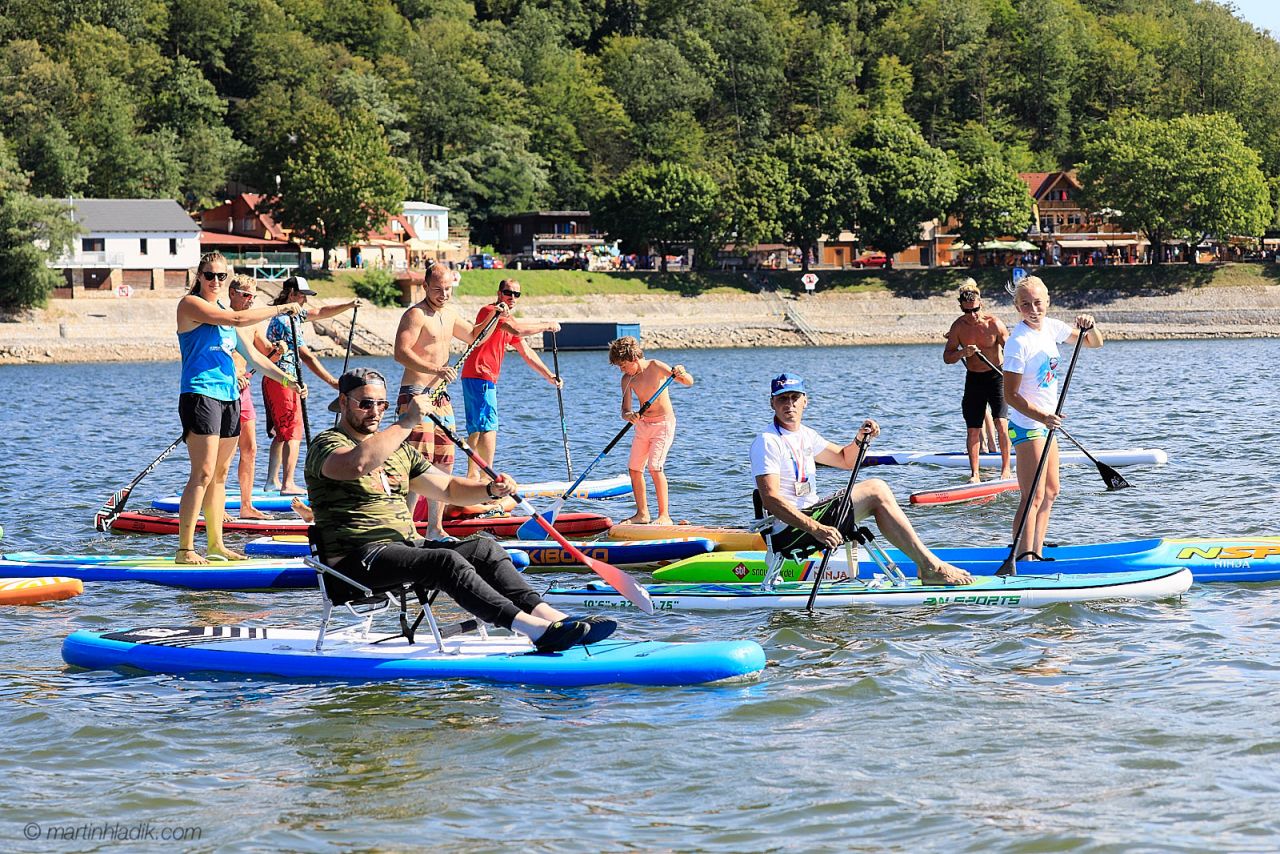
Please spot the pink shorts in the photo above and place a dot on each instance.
(653, 438)
(247, 412)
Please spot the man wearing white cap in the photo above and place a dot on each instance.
(283, 405)
(783, 461)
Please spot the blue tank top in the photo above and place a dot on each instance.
(207, 367)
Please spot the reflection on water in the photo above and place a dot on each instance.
(1120, 726)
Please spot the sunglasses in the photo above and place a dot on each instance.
(507, 293)
(368, 403)
(973, 310)
(209, 276)
(245, 294)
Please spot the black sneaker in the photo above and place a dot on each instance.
(562, 635)
(601, 628)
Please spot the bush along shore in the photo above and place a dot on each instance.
(726, 309)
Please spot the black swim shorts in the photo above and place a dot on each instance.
(982, 389)
(208, 416)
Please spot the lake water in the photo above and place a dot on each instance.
(1116, 727)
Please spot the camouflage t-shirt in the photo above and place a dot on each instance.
(351, 513)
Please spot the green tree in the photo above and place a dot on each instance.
(32, 232)
(664, 206)
(341, 182)
(991, 200)
(819, 190)
(909, 182)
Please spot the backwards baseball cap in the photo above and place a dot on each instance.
(299, 284)
(785, 383)
(356, 378)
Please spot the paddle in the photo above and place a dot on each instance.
(614, 577)
(564, 427)
(841, 509)
(530, 530)
(1009, 566)
(114, 505)
(438, 389)
(1112, 478)
(297, 373)
(347, 358)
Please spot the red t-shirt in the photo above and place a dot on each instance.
(485, 362)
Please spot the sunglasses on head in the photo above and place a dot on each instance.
(209, 276)
(241, 293)
(367, 403)
(508, 293)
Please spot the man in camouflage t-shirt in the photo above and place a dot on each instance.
(357, 478)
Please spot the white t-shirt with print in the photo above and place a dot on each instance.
(789, 455)
(1034, 354)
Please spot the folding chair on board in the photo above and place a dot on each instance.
(774, 561)
(365, 603)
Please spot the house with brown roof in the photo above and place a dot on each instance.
(242, 229)
(1069, 234)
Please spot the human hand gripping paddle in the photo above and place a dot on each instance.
(532, 529)
(841, 509)
(564, 427)
(114, 505)
(1009, 567)
(616, 578)
(1112, 478)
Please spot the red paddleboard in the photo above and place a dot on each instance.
(569, 524)
(967, 492)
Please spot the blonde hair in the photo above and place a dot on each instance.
(969, 286)
(1029, 283)
(625, 349)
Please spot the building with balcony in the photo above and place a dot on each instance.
(128, 245)
(247, 233)
(551, 234)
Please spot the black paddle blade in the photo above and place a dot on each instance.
(1007, 568)
(110, 510)
(1112, 478)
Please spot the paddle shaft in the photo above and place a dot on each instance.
(114, 505)
(297, 373)
(1112, 478)
(438, 389)
(616, 578)
(644, 407)
(1009, 567)
(347, 358)
(844, 499)
(564, 427)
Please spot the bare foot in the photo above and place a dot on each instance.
(225, 553)
(637, 519)
(190, 557)
(300, 507)
(945, 574)
(438, 534)
(975, 478)
(1006, 475)
(662, 520)
(292, 489)
(251, 513)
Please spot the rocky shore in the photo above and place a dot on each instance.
(141, 328)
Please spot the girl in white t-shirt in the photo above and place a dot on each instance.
(1032, 370)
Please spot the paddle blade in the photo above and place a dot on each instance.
(110, 510)
(533, 529)
(626, 586)
(1112, 478)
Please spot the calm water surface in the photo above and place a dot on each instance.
(1112, 728)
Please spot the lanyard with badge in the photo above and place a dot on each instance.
(803, 485)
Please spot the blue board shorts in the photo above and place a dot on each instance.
(480, 397)
(1018, 435)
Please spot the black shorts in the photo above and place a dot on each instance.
(982, 389)
(798, 544)
(208, 416)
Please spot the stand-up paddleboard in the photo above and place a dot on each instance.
(536, 554)
(966, 492)
(1015, 591)
(290, 654)
(1209, 559)
(569, 524)
(725, 539)
(37, 589)
(274, 502)
(275, 574)
(960, 459)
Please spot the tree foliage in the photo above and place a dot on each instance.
(663, 207)
(32, 232)
(909, 182)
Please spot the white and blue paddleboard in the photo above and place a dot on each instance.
(253, 574)
(290, 654)
(960, 459)
(987, 592)
(274, 502)
(537, 554)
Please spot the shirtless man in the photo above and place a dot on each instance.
(975, 332)
(422, 347)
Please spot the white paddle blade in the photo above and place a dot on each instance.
(532, 530)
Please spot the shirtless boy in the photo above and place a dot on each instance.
(972, 333)
(422, 347)
(655, 430)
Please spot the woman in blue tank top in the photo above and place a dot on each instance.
(209, 399)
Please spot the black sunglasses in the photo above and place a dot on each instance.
(209, 276)
(368, 403)
(507, 293)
